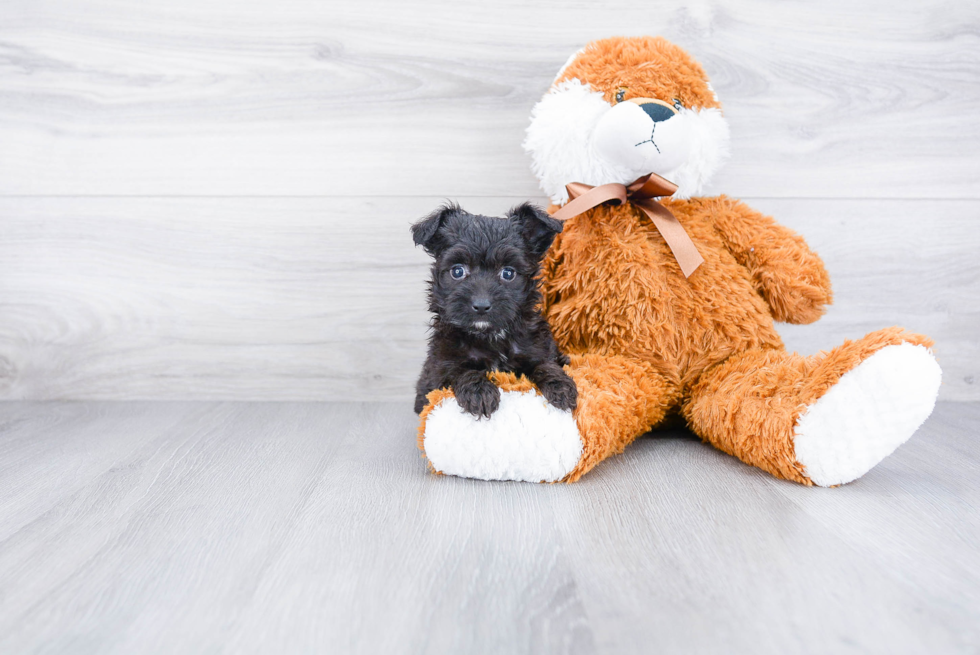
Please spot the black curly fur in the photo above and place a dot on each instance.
(484, 322)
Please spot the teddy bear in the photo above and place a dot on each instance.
(665, 301)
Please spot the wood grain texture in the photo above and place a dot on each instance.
(303, 527)
(209, 200)
(311, 298)
(303, 97)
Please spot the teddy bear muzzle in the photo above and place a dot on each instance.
(643, 135)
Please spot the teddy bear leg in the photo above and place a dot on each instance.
(619, 400)
(825, 419)
(528, 439)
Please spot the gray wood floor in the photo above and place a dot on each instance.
(314, 527)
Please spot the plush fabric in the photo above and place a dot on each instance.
(648, 344)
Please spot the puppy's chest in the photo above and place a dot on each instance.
(502, 356)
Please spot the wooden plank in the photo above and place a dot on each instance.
(278, 292)
(314, 527)
(301, 97)
(311, 298)
(34, 451)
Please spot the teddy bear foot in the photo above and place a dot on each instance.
(872, 410)
(525, 439)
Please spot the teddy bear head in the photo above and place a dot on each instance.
(624, 107)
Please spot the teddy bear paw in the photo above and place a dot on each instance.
(872, 410)
(525, 439)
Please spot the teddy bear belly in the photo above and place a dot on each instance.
(682, 337)
(633, 300)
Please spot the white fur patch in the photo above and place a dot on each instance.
(526, 439)
(560, 140)
(871, 411)
(709, 149)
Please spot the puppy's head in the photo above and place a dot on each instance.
(485, 269)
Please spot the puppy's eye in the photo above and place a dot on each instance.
(458, 272)
(507, 273)
(620, 94)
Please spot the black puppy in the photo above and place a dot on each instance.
(484, 295)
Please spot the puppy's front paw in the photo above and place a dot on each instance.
(479, 398)
(561, 392)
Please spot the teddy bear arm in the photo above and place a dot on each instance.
(785, 271)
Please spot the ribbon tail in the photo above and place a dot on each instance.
(685, 252)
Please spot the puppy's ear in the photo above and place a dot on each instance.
(537, 227)
(426, 231)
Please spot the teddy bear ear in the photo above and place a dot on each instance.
(537, 227)
(426, 231)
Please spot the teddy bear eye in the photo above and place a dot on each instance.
(620, 94)
(678, 105)
(507, 273)
(458, 272)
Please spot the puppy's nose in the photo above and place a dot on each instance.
(481, 305)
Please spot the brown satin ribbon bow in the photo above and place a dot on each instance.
(641, 193)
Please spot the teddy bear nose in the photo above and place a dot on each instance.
(657, 110)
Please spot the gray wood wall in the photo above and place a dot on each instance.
(204, 199)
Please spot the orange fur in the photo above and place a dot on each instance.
(612, 286)
(645, 67)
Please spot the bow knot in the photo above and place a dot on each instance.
(642, 192)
